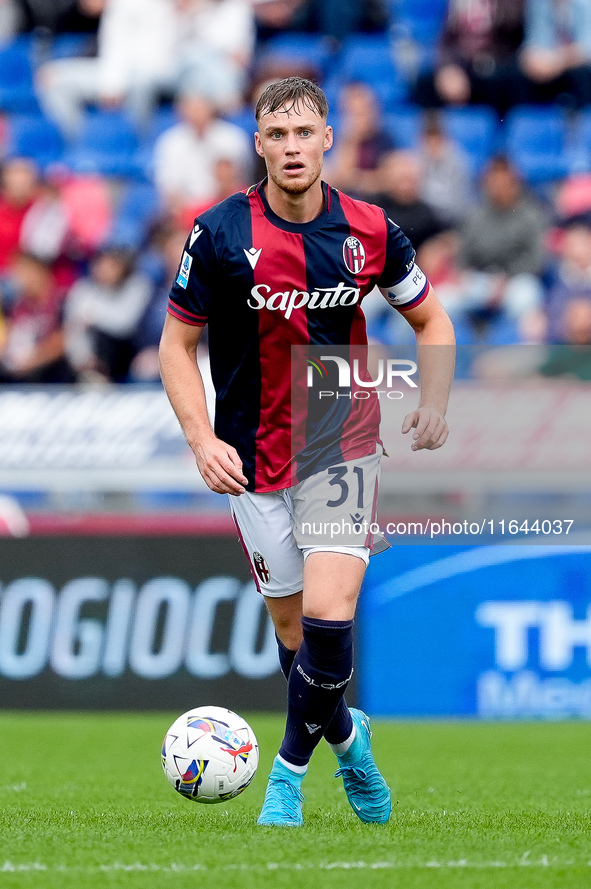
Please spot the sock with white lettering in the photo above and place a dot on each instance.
(339, 731)
(319, 675)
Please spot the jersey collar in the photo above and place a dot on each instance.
(284, 224)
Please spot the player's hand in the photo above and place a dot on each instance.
(220, 466)
(430, 428)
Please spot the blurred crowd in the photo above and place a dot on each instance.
(139, 117)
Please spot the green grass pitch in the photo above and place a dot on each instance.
(84, 803)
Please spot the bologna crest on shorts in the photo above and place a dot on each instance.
(354, 254)
(261, 567)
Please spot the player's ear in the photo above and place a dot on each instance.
(258, 146)
(328, 138)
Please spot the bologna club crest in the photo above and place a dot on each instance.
(261, 567)
(354, 255)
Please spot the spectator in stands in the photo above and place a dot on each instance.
(44, 229)
(446, 187)
(334, 18)
(61, 17)
(215, 42)
(185, 155)
(571, 359)
(400, 175)
(502, 247)
(135, 61)
(169, 241)
(569, 277)
(146, 48)
(19, 184)
(33, 351)
(363, 141)
(102, 313)
(228, 177)
(476, 59)
(47, 233)
(556, 54)
(10, 20)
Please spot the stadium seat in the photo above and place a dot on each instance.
(138, 206)
(66, 46)
(108, 144)
(404, 125)
(416, 26)
(17, 91)
(310, 50)
(581, 147)
(36, 137)
(476, 130)
(537, 142)
(162, 119)
(244, 119)
(371, 59)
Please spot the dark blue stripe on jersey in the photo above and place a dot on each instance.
(234, 339)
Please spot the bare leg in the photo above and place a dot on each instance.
(286, 614)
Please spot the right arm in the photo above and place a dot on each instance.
(218, 462)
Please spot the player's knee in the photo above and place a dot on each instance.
(288, 628)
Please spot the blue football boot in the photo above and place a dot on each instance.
(366, 789)
(283, 798)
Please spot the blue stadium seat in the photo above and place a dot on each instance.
(36, 137)
(476, 130)
(537, 142)
(416, 26)
(422, 19)
(108, 144)
(138, 207)
(244, 119)
(582, 142)
(371, 59)
(404, 125)
(66, 46)
(162, 119)
(311, 50)
(17, 91)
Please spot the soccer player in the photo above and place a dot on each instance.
(287, 263)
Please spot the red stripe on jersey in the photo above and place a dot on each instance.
(374, 514)
(283, 261)
(185, 320)
(247, 554)
(186, 312)
(361, 428)
(368, 224)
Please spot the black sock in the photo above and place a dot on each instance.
(318, 677)
(341, 725)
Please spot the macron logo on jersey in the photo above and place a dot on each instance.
(252, 255)
(197, 230)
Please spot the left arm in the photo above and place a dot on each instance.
(436, 358)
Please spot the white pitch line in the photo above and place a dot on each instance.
(176, 867)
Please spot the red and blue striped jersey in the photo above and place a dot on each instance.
(262, 285)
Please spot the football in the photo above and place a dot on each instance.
(210, 754)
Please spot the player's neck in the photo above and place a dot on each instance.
(297, 208)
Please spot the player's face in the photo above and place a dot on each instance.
(293, 143)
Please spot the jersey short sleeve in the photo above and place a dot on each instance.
(406, 284)
(192, 291)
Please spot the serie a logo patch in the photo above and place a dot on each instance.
(183, 275)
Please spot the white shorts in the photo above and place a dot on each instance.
(332, 511)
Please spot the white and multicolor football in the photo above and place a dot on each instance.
(210, 754)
